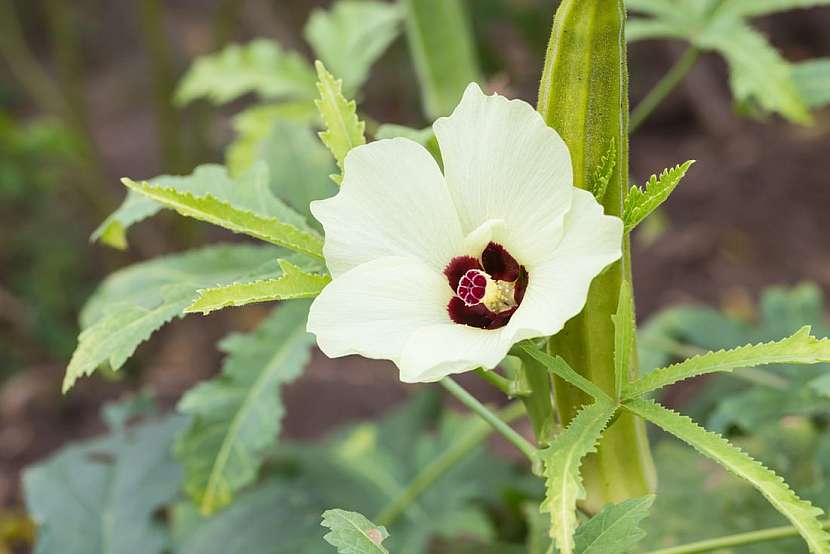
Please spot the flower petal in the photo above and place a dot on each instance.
(433, 352)
(372, 309)
(501, 161)
(558, 287)
(393, 202)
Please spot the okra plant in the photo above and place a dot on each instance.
(495, 241)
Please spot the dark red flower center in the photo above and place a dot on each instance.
(488, 291)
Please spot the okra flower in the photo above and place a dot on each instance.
(443, 272)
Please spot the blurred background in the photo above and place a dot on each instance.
(86, 97)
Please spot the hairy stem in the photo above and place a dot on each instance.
(663, 88)
(457, 451)
(741, 539)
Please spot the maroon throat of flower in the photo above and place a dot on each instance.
(488, 291)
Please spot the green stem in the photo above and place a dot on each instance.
(742, 539)
(496, 380)
(495, 421)
(457, 451)
(663, 88)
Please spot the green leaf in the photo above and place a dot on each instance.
(131, 304)
(563, 484)
(538, 524)
(351, 36)
(625, 335)
(802, 515)
(604, 171)
(246, 206)
(639, 202)
(800, 348)
(134, 208)
(813, 81)
(615, 529)
(294, 283)
(344, 130)
(237, 415)
(442, 48)
(352, 533)
(559, 367)
(261, 66)
(102, 495)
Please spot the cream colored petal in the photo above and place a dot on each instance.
(393, 202)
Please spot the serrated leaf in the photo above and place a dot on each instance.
(237, 415)
(562, 460)
(800, 348)
(294, 283)
(625, 335)
(113, 230)
(246, 207)
(802, 515)
(353, 533)
(131, 304)
(559, 367)
(261, 66)
(351, 36)
(812, 78)
(344, 130)
(442, 48)
(615, 529)
(639, 202)
(604, 171)
(102, 495)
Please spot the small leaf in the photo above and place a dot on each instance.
(615, 529)
(604, 171)
(802, 515)
(800, 348)
(344, 130)
(351, 36)
(238, 414)
(625, 335)
(639, 203)
(352, 533)
(293, 284)
(261, 66)
(559, 367)
(562, 460)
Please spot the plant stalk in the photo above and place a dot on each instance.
(664, 87)
(741, 539)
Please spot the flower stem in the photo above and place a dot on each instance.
(663, 88)
(741, 539)
(494, 420)
(457, 451)
(496, 380)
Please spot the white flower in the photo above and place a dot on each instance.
(443, 273)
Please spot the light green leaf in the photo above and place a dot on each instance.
(131, 304)
(344, 130)
(812, 78)
(352, 533)
(237, 415)
(800, 348)
(625, 336)
(441, 45)
(351, 36)
(134, 208)
(560, 368)
(262, 66)
(294, 283)
(538, 540)
(802, 515)
(245, 207)
(639, 202)
(101, 496)
(604, 171)
(563, 484)
(615, 529)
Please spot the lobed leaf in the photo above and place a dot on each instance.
(261, 66)
(352, 533)
(351, 36)
(615, 529)
(344, 130)
(562, 460)
(237, 415)
(802, 515)
(639, 202)
(604, 171)
(800, 348)
(625, 336)
(294, 283)
(131, 304)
